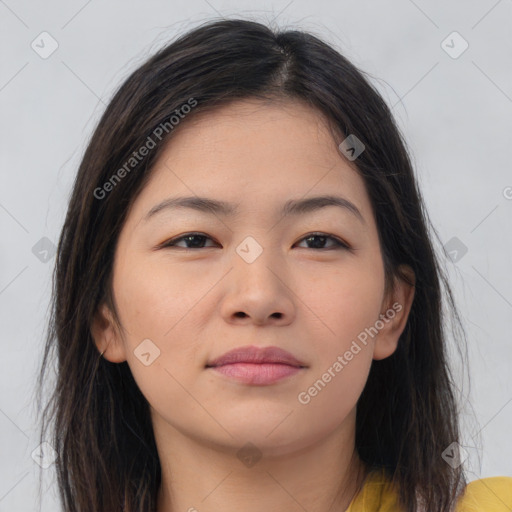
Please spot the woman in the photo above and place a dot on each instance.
(247, 303)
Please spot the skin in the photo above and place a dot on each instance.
(197, 304)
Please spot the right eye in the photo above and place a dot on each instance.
(193, 241)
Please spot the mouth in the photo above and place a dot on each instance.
(257, 366)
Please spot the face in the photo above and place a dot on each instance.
(191, 283)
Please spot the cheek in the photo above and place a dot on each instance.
(348, 303)
(151, 300)
(332, 394)
(151, 308)
(154, 305)
(344, 303)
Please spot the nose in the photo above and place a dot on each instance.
(258, 293)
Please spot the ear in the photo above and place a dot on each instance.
(394, 314)
(106, 335)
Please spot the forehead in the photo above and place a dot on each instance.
(254, 153)
(253, 121)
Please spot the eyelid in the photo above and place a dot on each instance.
(179, 238)
(339, 243)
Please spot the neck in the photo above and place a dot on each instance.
(320, 477)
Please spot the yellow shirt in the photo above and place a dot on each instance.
(486, 495)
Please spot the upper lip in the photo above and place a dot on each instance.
(253, 354)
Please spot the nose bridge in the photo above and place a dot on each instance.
(258, 284)
(249, 249)
(257, 266)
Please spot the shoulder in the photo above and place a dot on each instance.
(492, 494)
(377, 494)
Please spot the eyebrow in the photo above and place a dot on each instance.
(291, 207)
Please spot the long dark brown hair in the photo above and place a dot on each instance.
(101, 428)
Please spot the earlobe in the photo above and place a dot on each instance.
(395, 313)
(106, 335)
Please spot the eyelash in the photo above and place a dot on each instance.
(339, 243)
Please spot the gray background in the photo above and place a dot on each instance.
(455, 113)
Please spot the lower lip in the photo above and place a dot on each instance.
(257, 373)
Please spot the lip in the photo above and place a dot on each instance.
(257, 366)
(256, 355)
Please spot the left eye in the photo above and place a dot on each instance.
(196, 241)
(321, 239)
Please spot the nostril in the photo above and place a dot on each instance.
(240, 314)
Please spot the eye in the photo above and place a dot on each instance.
(318, 240)
(196, 241)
